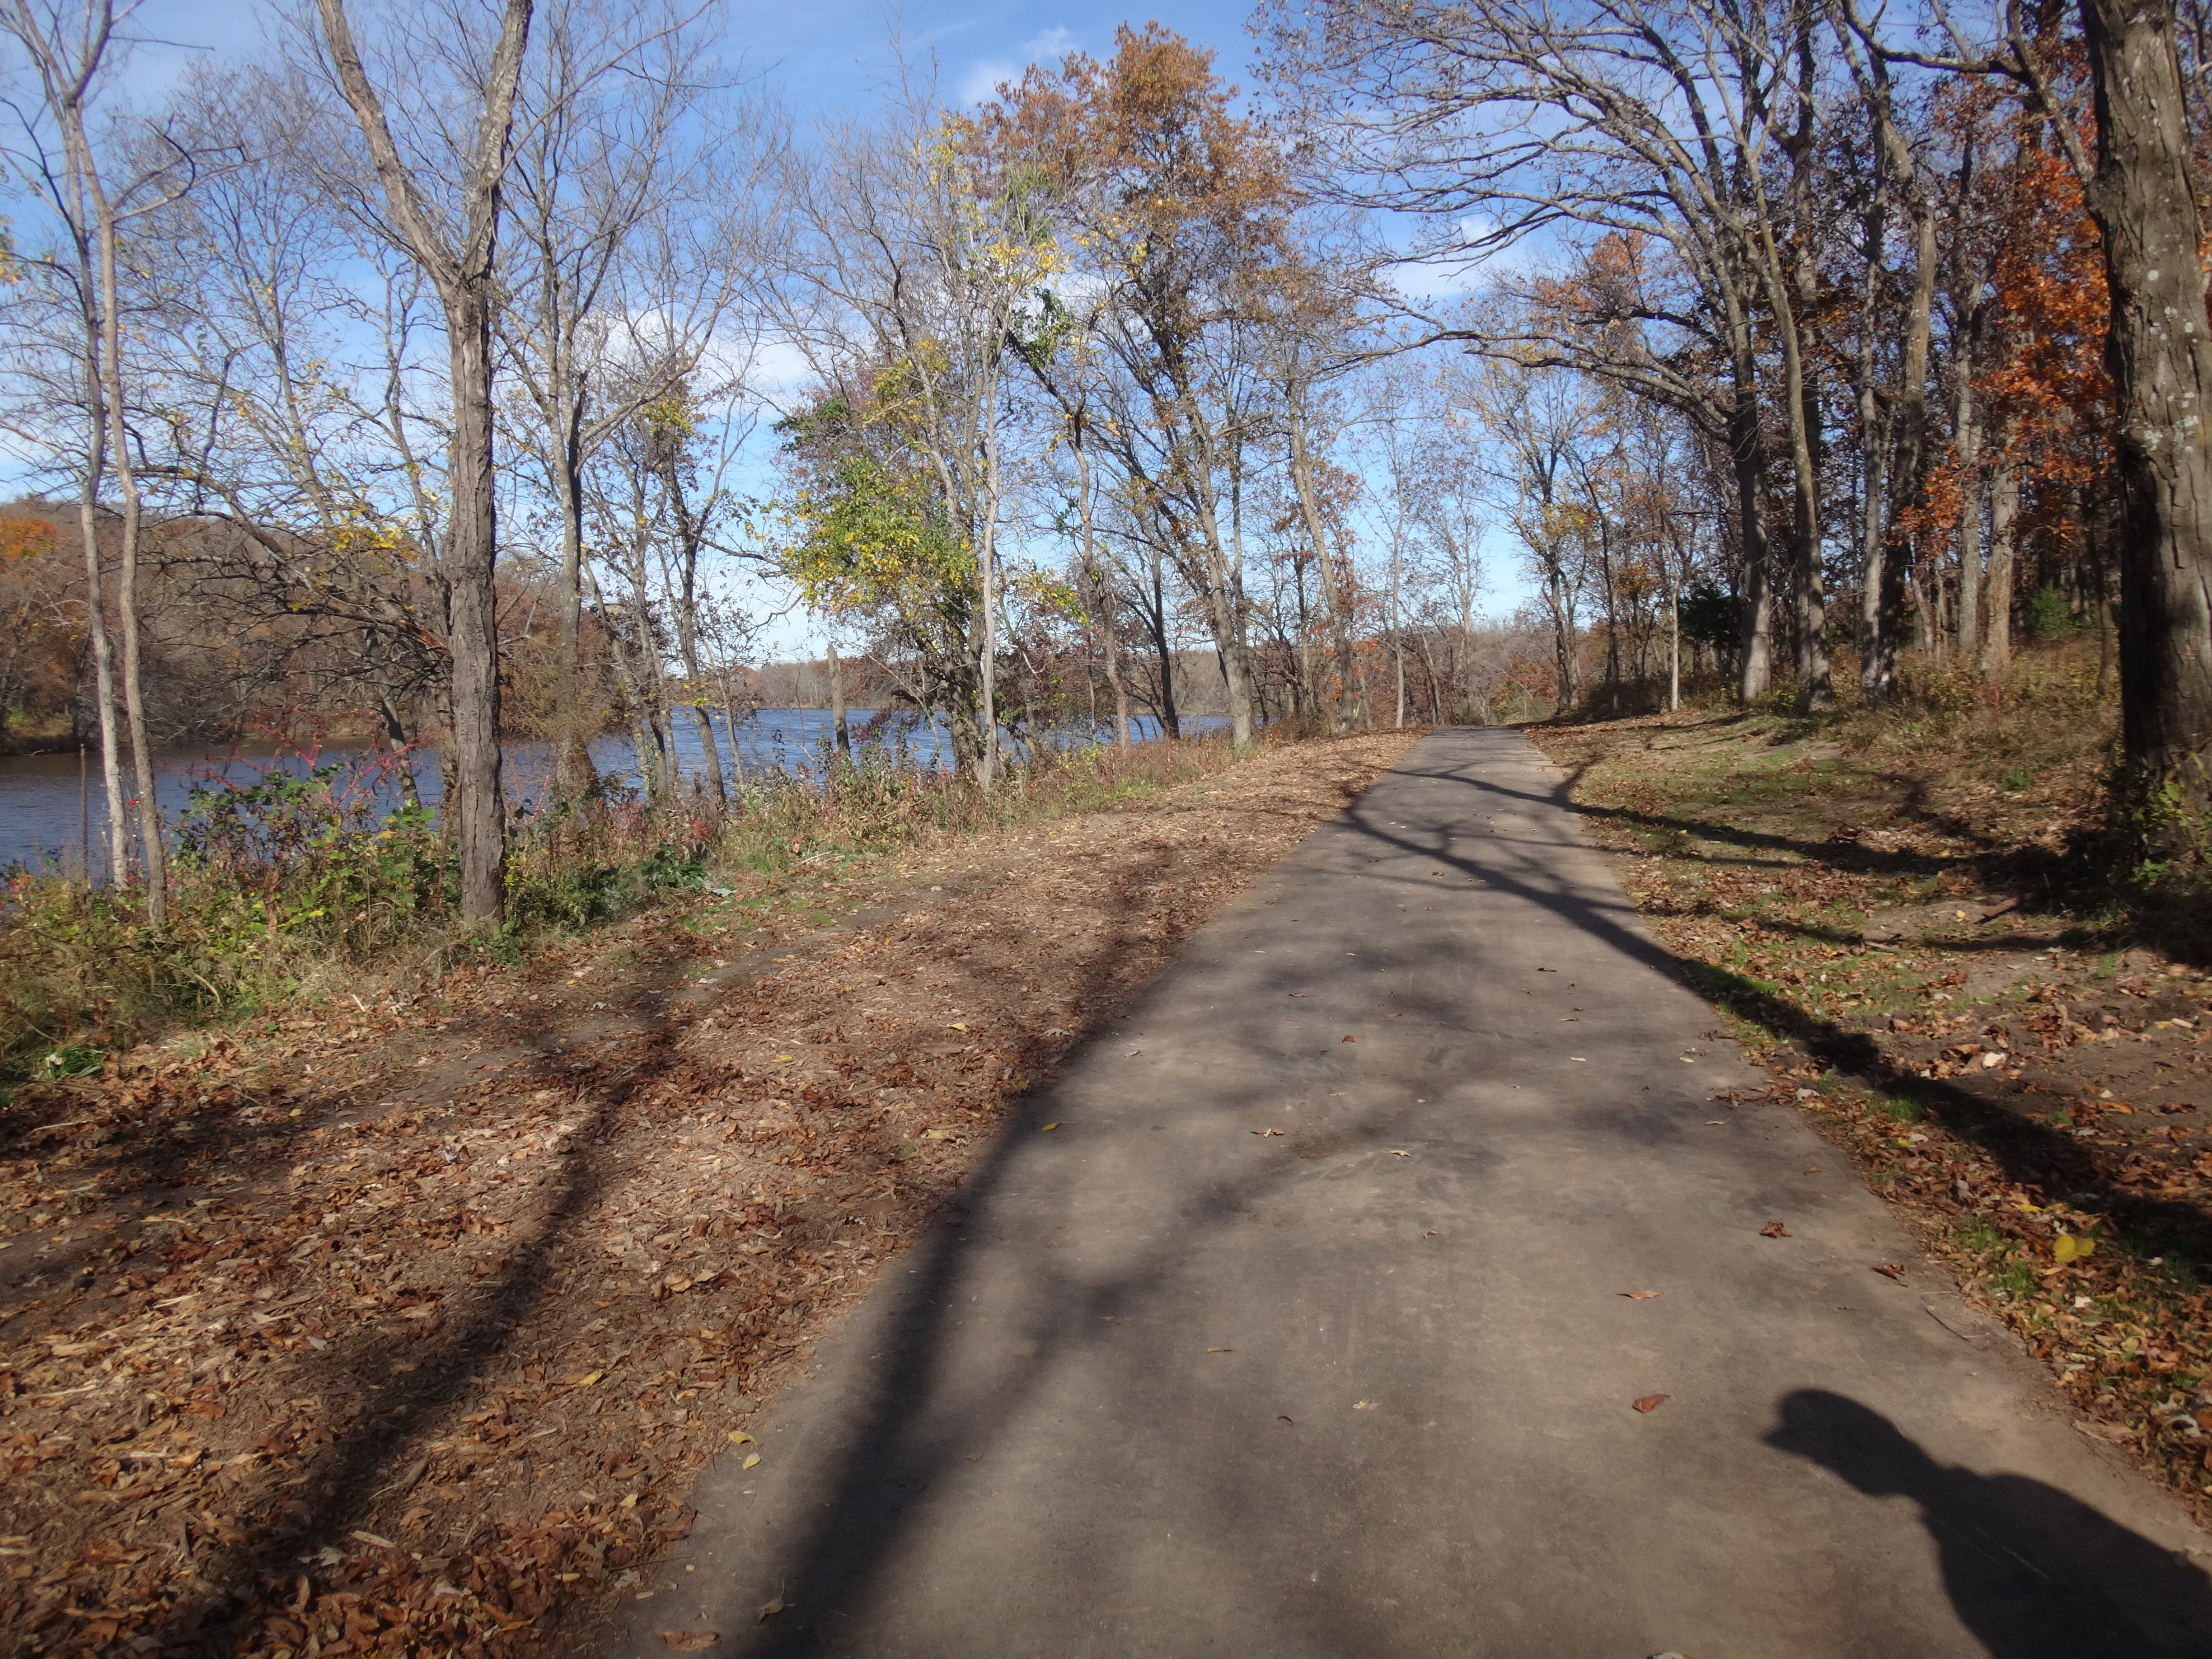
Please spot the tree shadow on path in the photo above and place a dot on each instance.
(2032, 1573)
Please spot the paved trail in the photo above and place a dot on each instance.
(1168, 1387)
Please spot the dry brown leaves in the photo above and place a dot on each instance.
(404, 1330)
(2037, 1113)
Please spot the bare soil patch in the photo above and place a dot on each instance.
(394, 1328)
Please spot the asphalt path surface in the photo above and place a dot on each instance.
(1306, 1331)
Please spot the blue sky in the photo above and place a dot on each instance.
(828, 53)
(823, 55)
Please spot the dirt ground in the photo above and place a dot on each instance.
(406, 1325)
(2029, 1088)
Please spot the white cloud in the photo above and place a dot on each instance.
(778, 371)
(983, 78)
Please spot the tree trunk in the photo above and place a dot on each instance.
(1558, 599)
(2158, 352)
(1110, 640)
(396, 740)
(1397, 633)
(103, 660)
(1810, 597)
(573, 776)
(1969, 429)
(1155, 622)
(1755, 662)
(126, 586)
(839, 733)
(986, 640)
(2004, 512)
(471, 614)
(1877, 629)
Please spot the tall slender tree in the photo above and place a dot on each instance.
(454, 241)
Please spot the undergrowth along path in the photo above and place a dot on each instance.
(413, 1327)
(2009, 1061)
(1408, 1273)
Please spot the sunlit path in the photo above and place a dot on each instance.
(1308, 1330)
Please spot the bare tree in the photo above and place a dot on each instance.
(453, 239)
(92, 194)
(917, 259)
(1621, 127)
(633, 176)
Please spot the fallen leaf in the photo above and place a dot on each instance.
(1054, 1124)
(1280, 1418)
(588, 1378)
(1891, 1270)
(1266, 1132)
(740, 1437)
(769, 1609)
(1774, 1229)
(1395, 1153)
(2072, 1247)
(371, 1538)
(956, 1026)
(1345, 1039)
(1651, 1402)
(1639, 1296)
(1221, 1351)
(752, 1461)
(1363, 1405)
(690, 1641)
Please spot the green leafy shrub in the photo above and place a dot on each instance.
(2049, 616)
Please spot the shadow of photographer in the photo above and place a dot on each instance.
(2032, 1573)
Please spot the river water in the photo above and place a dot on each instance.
(51, 811)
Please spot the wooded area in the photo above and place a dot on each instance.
(495, 373)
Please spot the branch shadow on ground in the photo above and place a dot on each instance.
(2030, 1152)
(918, 1413)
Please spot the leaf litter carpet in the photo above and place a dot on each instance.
(404, 1328)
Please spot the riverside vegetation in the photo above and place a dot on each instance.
(1914, 918)
(286, 889)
